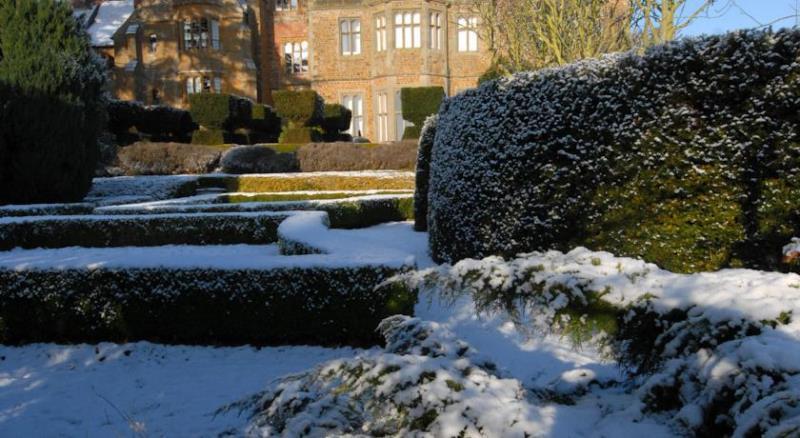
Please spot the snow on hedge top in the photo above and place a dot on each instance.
(110, 17)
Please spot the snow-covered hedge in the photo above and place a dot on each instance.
(45, 209)
(425, 382)
(139, 230)
(718, 351)
(685, 156)
(427, 137)
(316, 305)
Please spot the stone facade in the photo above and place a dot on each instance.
(356, 52)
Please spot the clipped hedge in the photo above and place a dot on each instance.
(336, 120)
(146, 158)
(160, 123)
(265, 125)
(301, 182)
(329, 306)
(140, 230)
(424, 173)
(685, 157)
(419, 104)
(299, 134)
(299, 107)
(257, 159)
(324, 157)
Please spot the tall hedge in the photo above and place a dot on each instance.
(423, 173)
(302, 112)
(418, 104)
(686, 156)
(51, 104)
(336, 120)
(218, 114)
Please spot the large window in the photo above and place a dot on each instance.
(296, 58)
(355, 103)
(203, 84)
(435, 31)
(201, 34)
(380, 33)
(383, 117)
(285, 5)
(350, 36)
(407, 30)
(468, 34)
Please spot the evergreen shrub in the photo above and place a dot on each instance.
(336, 120)
(418, 104)
(301, 111)
(51, 103)
(686, 156)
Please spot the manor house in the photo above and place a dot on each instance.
(360, 53)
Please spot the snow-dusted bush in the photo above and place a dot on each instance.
(685, 156)
(426, 140)
(282, 305)
(426, 382)
(147, 158)
(257, 159)
(720, 351)
(146, 230)
(348, 156)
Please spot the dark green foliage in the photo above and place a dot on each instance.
(336, 120)
(51, 105)
(208, 137)
(257, 159)
(123, 115)
(299, 108)
(424, 174)
(685, 156)
(265, 125)
(149, 230)
(363, 214)
(204, 306)
(302, 135)
(220, 111)
(419, 104)
(163, 123)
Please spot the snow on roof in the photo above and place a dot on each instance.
(110, 17)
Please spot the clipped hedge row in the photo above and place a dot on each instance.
(419, 104)
(46, 210)
(296, 183)
(685, 157)
(161, 123)
(140, 230)
(328, 306)
(146, 158)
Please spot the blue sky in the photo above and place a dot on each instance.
(728, 15)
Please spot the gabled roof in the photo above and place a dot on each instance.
(109, 18)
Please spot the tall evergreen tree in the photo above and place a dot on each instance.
(51, 103)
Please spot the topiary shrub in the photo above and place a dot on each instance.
(423, 173)
(684, 156)
(163, 123)
(218, 114)
(418, 104)
(344, 156)
(123, 115)
(336, 120)
(265, 125)
(301, 111)
(257, 159)
(51, 104)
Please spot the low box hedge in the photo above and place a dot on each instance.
(46, 210)
(140, 230)
(327, 306)
(301, 182)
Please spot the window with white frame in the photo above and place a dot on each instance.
(295, 57)
(350, 36)
(201, 33)
(435, 35)
(380, 33)
(399, 122)
(285, 5)
(468, 34)
(407, 30)
(383, 117)
(203, 84)
(355, 103)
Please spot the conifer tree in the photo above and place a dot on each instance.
(51, 103)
